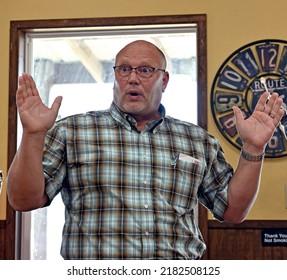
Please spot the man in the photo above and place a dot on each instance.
(130, 177)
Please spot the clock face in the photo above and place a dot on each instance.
(237, 83)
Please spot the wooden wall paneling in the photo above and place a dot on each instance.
(2, 239)
(243, 241)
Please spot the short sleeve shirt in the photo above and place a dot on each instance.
(132, 194)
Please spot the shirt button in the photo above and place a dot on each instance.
(146, 233)
(145, 182)
(146, 206)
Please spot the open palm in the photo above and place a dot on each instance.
(35, 116)
(260, 126)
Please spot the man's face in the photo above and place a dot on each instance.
(140, 97)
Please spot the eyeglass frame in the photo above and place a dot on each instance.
(136, 70)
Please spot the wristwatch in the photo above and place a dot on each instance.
(237, 83)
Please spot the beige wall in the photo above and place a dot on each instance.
(230, 25)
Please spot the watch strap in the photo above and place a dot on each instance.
(251, 157)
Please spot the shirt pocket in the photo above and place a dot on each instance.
(181, 182)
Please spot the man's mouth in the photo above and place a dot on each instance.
(134, 94)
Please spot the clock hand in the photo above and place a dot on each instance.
(263, 82)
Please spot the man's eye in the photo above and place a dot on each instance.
(145, 69)
(125, 69)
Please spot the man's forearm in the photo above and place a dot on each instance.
(25, 180)
(242, 191)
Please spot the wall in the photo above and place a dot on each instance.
(230, 25)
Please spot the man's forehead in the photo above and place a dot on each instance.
(140, 52)
(135, 56)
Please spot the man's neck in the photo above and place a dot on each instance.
(142, 121)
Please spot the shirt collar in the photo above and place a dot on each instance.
(129, 123)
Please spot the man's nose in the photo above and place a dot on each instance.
(133, 76)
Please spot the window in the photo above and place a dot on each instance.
(77, 64)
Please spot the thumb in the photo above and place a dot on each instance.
(57, 104)
(237, 114)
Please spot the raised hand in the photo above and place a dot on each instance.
(35, 116)
(257, 130)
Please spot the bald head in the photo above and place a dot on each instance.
(142, 44)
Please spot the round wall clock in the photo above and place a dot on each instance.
(237, 83)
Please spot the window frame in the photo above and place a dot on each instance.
(18, 30)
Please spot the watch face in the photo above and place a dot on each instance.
(237, 83)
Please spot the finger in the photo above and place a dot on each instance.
(29, 88)
(238, 115)
(21, 87)
(276, 111)
(277, 104)
(25, 84)
(33, 86)
(21, 91)
(270, 104)
(19, 96)
(279, 112)
(57, 104)
(261, 104)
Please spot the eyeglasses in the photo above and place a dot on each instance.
(142, 71)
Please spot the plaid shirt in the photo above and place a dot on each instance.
(131, 194)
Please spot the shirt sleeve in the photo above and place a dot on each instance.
(54, 161)
(214, 187)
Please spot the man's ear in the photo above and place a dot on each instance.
(165, 80)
